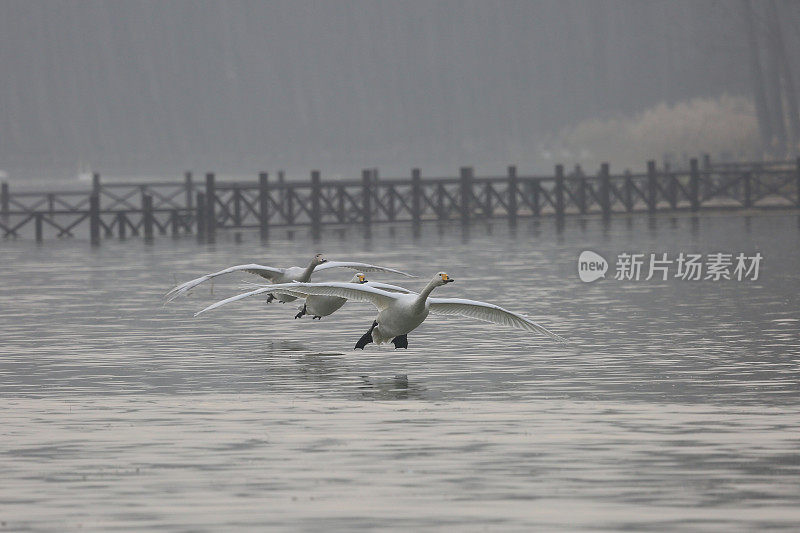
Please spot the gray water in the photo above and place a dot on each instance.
(674, 407)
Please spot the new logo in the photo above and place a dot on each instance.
(591, 266)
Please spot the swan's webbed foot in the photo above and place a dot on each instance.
(302, 312)
(401, 341)
(317, 317)
(366, 338)
(270, 297)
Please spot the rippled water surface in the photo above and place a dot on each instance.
(674, 407)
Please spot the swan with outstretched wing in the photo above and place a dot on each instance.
(401, 313)
(316, 306)
(283, 275)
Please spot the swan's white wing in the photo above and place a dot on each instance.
(351, 291)
(387, 287)
(249, 286)
(260, 270)
(361, 267)
(488, 313)
(232, 299)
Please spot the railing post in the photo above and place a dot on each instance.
(605, 190)
(263, 204)
(142, 195)
(316, 191)
(707, 181)
(390, 206)
(580, 180)
(535, 187)
(440, 211)
(121, 224)
(189, 186)
(797, 180)
(466, 193)
(288, 195)
(628, 191)
(281, 188)
(97, 188)
(416, 196)
(147, 216)
(341, 214)
(651, 186)
(513, 187)
(94, 219)
(96, 185)
(488, 205)
(237, 206)
(672, 186)
(210, 200)
(38, 227)
(581, 194)
(559, 190)
(5, 200)
(694, 184)
(174, 218)
(366, 196)
(375, 190)
(200, 215)
(747, 179)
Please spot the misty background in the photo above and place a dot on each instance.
(140, 87)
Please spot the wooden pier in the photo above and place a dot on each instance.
(203, 207)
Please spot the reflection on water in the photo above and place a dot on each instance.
(673, 407)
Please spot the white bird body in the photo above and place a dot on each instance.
(404, 315)
(290, 274)
(323, 305)
(399, 314)
(283, 275)
(319, 306)
(316, 306)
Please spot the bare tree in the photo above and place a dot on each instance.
(778, 50)
(757, 78)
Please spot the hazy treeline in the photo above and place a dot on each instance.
(138, 86)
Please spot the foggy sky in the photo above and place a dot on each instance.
(240, 86)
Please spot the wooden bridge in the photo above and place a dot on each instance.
(185, 206)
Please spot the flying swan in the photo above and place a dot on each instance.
(314, 305)
(283, 275)
(401, 313)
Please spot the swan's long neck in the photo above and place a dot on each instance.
(307, 272)
(419, 304)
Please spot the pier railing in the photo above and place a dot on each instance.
(184, 206)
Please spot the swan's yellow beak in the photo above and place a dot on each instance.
(447, 279)
(362, 278)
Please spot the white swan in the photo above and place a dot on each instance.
(320, 306)
(283, 275)
(314, 305)
(399, 314)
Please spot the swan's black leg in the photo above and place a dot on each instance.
(270, 297)
(366, 338)
(317, 317)
(401, 341)
(302, 312)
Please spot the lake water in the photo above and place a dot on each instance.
(676, 405)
